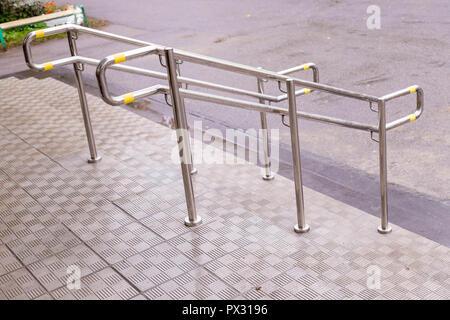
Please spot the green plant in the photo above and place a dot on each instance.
(14, 37)
(11, 10)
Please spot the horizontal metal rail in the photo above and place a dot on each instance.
(158, 75)
(217, 63)
(173, 57)
(136, 70)
(410, 117)
(381, 129)
(112, 62)
(187, 56)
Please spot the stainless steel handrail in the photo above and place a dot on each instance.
(111, 61)
(159, 75)
(80, 61)
(381, 129)
(174, 56)
(410, 117)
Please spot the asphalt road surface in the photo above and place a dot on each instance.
(411, 47)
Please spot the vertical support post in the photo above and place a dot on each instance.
(384, 227)
(78, 68)
(301, 226)
(267, 171)
(191, 163)
(183, 138)
(2, 39)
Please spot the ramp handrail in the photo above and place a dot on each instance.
(159, 75)
(173, 57)
(112, 62)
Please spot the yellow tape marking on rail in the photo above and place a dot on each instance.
(40, 34)
(48, 66)
(412, 117)
(412, 89)
(306, 68)
(128, 98)
(307, 90)
(120, 57)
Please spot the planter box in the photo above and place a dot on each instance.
(75, 15)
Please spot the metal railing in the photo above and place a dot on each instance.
(174, 57)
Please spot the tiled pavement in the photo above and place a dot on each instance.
(120, 221)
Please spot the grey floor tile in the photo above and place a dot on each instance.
(102, 285)
(54, 272)
(20, 285)
(154, 266)
(8, 262)
(197, 284)
(123, 242)
(121, 220)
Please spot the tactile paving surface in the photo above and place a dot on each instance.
(120, 222)
(8, 262)
(52, 272)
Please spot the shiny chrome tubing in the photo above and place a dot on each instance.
(384, 227)
(75, 28)
(172, 56)
(78, 68)
(272, 109)
(111, 60)
(192, 170)
(382, 129)
(190, 94)
(115, 59)
(411, 117)
(193, 57)
(160, 75)
(183, 139)
(301, 67)
(301, 226)
(261, 73)
(265, 135)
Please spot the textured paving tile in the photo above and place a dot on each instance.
(53, 272)
(8, 262)
(43, 243)
(154, 266)
(121, 220)
(103, 285)
(197, 284)
(20, 285)
(123, 242)
(160, 216)
(88, 225)
(244, 270)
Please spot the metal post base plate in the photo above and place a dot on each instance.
(94, 160)
(385, 231)
(270, 177)
(305, 229)
(190, 223)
